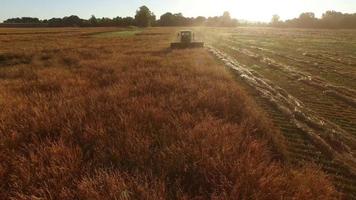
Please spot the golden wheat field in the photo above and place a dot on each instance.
(105, 113)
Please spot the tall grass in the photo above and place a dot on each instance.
(125, 118)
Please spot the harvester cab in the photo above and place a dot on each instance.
(186, 40)
(186, 36)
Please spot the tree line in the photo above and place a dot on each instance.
(329, 20)
(143, 18)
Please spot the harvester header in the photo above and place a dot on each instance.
(186, 40)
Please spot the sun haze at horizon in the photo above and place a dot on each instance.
(253, 10)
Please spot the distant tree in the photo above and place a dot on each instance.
(199, 21)
(307, 20)
(307, 15)
(12, 21)
(93, 21)
(226, 16)
(105, 21)
(333, 19)
(225, 20)
(72, 20)
(128, 21)
(23, 20)
(144, 17)
(212, 21)
(119, 21)
(180, 20)
(55, 22)
(167, 19)
(275, 21)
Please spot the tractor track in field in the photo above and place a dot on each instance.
(346, 94)
(309, 137)
(319, 62)
(300, 149)
(317, 57)
(338, 66)
(335, 103)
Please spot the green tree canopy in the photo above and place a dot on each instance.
(144, 17)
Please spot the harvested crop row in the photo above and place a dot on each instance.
(301, 149)
(314, 92)
(345, 93)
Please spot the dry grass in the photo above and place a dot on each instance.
(125, 118)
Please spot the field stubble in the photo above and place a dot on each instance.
(310, 96)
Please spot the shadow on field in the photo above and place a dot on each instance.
(13, 59)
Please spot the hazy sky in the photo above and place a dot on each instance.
(255, 10)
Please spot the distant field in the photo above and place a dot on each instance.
(126, 33)
(121, 116)
(306, 81)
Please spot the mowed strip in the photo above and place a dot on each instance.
(122, 33)
(332, 104)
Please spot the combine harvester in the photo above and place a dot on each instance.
(186, 40)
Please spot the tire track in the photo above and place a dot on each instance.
(343, 93)
(301, 149)
(312, 64)
(310, 138)
(337, 106)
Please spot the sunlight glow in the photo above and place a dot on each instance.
(253, 10)
(262, 10)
